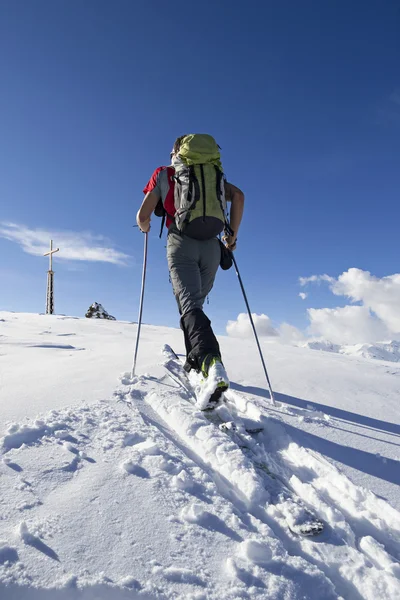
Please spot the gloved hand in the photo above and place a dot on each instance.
(230, 241)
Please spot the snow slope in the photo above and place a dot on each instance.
(117, 488)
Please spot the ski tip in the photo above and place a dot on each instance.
(309, 529)
(169, 352)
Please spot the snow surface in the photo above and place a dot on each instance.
(114, 488)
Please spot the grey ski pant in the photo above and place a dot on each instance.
(193, 265)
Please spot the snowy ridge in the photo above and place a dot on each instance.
(388, 351)
(324, 345)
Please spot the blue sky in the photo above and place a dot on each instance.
(303, 98)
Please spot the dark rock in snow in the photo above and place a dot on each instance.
(97, 311)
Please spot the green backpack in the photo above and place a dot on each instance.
(199, 193)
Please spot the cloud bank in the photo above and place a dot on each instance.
(82, 246)
(242, 326)
(373, 314)
(376, 317)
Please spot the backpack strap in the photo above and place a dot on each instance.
(162, 223)
(163, 211)
(227, 228)
(165, 214)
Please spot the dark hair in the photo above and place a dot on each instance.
(177, 143)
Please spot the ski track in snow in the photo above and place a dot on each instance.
(360, 550)
(150, 448)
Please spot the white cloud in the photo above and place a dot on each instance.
(347, 325)
(288, 334)
(377, 317)
(380, 295)
(242, 326)
(82, 246)
(315, 279)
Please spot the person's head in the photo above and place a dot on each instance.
(177, 145)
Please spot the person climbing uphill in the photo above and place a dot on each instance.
(192, 195)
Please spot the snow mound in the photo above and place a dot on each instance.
(97, 311)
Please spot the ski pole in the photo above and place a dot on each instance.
(254, 330)
(141, 303)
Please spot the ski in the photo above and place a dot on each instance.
(300, 519)
(175, 370)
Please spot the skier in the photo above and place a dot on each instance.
(192, 193)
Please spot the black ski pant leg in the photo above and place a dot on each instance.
(188, 345)
(202, 341)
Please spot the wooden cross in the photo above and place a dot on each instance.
(50, 254)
